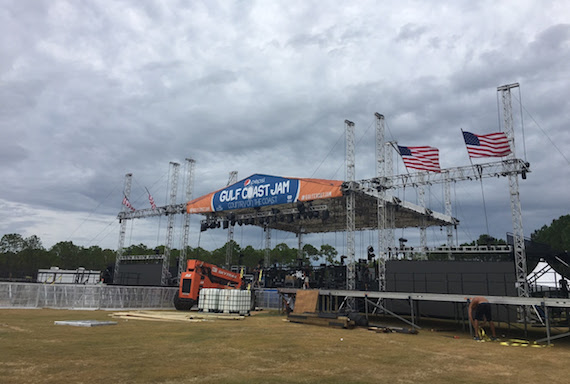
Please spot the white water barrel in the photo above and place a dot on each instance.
(235, 301)
(209, 300)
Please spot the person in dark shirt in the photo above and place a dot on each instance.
(480, 310)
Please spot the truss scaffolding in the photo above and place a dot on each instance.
(364, 205)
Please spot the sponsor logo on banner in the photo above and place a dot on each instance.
(256, 191)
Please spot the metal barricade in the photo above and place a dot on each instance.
(267, 299)
(74, 296)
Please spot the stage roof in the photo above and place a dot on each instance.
(303, 205)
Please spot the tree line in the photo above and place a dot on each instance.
(20, 258)
(557, 234)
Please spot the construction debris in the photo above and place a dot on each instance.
(328, 320)
(385, 329)
(188, 317)
(84, 323)
(522, 343)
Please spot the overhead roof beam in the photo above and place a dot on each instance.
(470, 172)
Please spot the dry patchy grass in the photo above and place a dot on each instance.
(260, 349)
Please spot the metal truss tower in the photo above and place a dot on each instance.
(300, 246)
(423, 227)
(170, 210)
(391, 219)
(516, 211)
(350, 208)
(190, 165)
(174, 170)
(123, 230)
(381, 203)
(448, 210)
(510, 167)
(232, 179)
(267, 253)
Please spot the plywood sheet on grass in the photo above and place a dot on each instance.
(306, 301)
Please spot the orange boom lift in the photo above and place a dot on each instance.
(198, 275)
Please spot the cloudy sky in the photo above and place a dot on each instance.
(90, 91)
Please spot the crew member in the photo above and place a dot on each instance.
(482, 310)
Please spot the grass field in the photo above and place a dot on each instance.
(262, 348)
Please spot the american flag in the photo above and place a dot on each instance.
(490, 145)
(127, 203)
(152, 204)
(420, 158)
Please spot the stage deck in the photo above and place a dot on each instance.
(543, 302)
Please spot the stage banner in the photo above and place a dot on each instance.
(256, 191)
(262, 190)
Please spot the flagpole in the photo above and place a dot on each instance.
(481, 181)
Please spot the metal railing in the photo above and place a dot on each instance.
(267, 299)
(77, 296)
(107, 297)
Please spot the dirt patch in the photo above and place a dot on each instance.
(13, 328)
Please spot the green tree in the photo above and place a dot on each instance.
(310, 253)
(12, 243)
(198, 253)
(141, 249)
(66, 255)
(284, 256)
(557, 234)
(329, 253)
(92, 258)
(29, 261)
(20, 258)
(235, 249)
(485, 239)
(218, 256)
(251, 256)
(33, 242)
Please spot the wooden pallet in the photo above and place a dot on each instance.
(194, 317)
